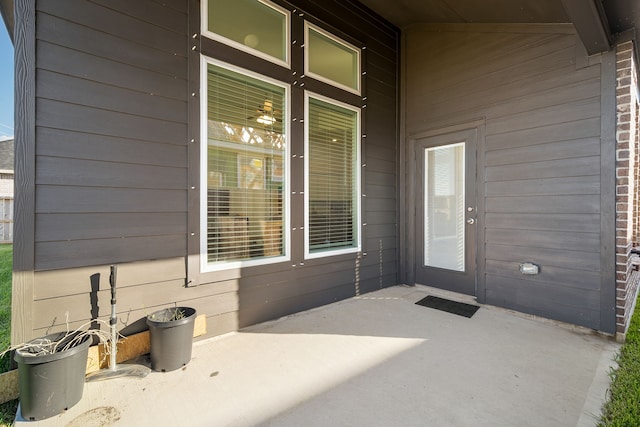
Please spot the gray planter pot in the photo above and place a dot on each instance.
(51, 383)
(171, 338)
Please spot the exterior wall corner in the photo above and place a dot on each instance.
(627, 177)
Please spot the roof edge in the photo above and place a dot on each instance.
(591, 24)
(6, 10)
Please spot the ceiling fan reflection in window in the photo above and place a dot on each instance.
(267, 115)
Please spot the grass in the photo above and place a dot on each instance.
(6, 254)
(8, 413)
(7, 410)
(623, 407)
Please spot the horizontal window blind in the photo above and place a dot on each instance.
(246, 144)
(444, 207)
(332, 176)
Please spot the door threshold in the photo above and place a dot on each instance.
(443, 293)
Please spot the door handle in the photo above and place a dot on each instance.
(471, 220)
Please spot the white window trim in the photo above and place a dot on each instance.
(357, 90)
(358, 196)
(204, 24)
(205, 266)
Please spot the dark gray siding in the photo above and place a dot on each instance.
(113, 168)
(111, 132)
(23, 257)
(272, 291)
(541, 180)
(6, 154)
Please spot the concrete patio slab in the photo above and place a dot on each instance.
(374, 360)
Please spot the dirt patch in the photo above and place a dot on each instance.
(98, 417)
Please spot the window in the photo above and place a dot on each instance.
(245, 213)
(249, 207)
(332, 155)
(444, 220)
(332, 60)
(259, 27)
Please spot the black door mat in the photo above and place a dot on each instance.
(459, 308)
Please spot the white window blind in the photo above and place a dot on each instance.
(332, 176)
(246, 146)
(444, 220)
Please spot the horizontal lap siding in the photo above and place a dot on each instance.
(272, 291)
(554, 181)
(112, 172)
(111, 130)
(143, 287)
(541, 175)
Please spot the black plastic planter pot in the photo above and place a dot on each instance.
(171, 337)
(51, 383)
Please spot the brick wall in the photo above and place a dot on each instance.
(627, 232)
(636, 217)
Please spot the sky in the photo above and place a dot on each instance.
(6, 84)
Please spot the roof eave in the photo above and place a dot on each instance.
(590, 21)
(6, 10)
